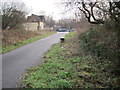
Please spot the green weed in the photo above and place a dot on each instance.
(68, 68)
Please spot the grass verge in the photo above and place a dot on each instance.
(23, 42)
(68, 66)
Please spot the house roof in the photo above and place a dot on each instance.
(35, 18)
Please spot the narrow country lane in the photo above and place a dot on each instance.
(15, 63)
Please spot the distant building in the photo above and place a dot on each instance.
(35, 22)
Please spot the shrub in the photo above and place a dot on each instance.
(102, 43)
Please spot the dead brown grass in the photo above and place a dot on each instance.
(14, 36)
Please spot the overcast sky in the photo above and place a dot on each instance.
(47, 7)
(50, 7)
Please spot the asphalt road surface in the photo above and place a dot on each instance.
(15, 63)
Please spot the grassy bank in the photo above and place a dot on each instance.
(69, 66)
(14, 39)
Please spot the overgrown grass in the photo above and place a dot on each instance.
(68, 66)
(22, 38)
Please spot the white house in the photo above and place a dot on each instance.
(35, 22)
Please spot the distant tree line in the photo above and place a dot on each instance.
(68, 23)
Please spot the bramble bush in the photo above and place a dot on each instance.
(102, 41)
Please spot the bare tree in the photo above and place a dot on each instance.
(50, 21)
(13, 14)
(95, 11)
(114, 10)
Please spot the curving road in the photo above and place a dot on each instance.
(15, 63)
